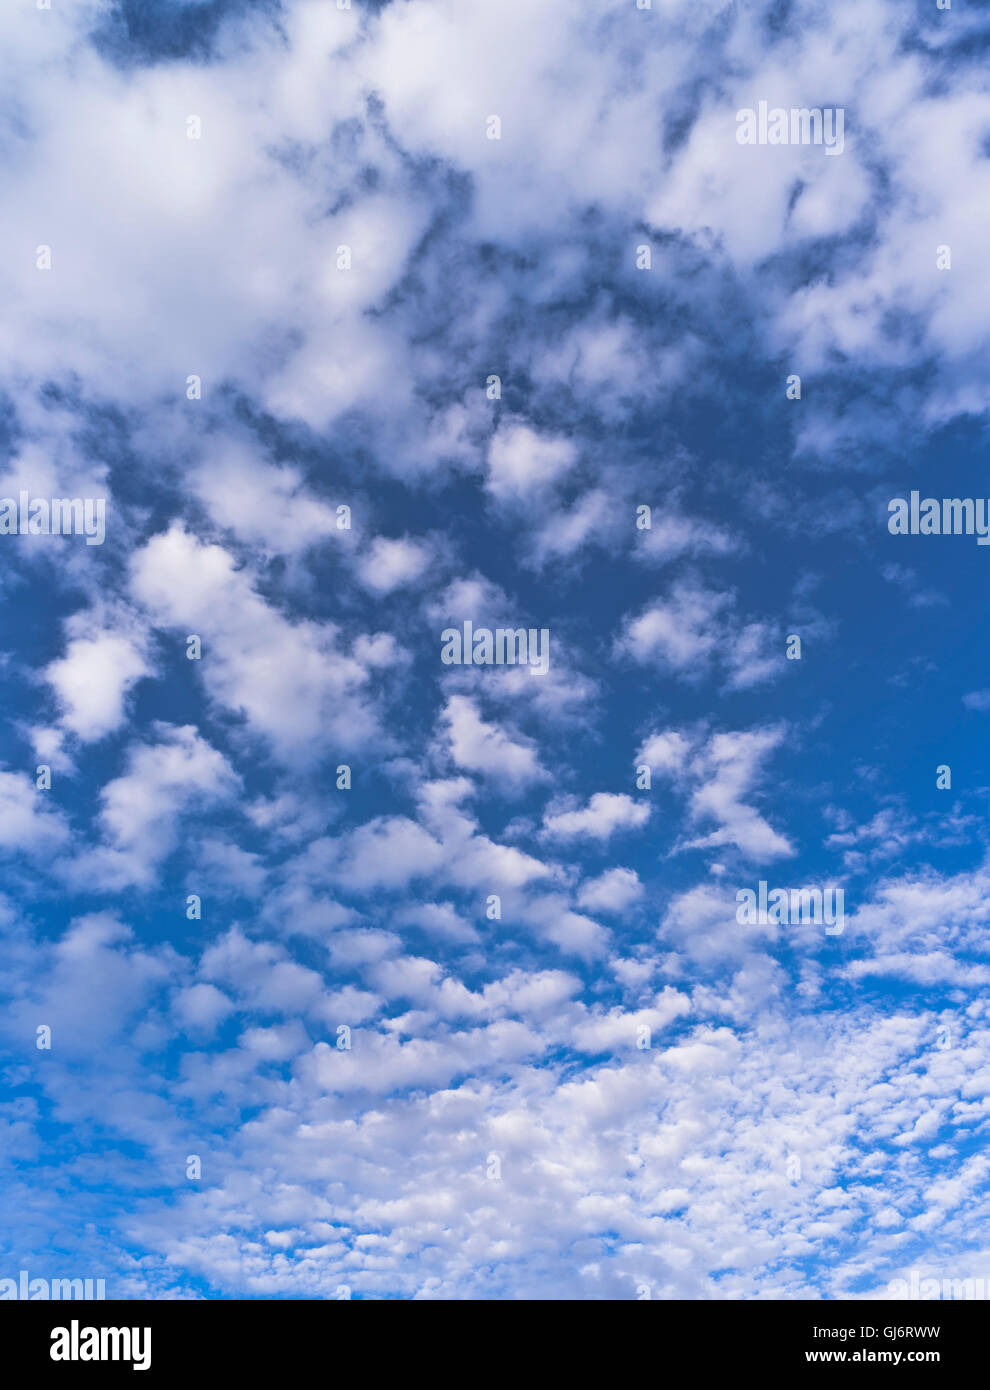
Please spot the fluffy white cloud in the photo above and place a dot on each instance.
(391, 564)
(522, 462)
(28, 820)
(291, 681)
(92, 679)
(613, 891)
(141, 811)
(682, 632)
(477, 745)
(605, 813)
(718, 772)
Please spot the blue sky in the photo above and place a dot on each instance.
(808, 1119)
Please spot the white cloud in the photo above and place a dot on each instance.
(291, 681)
(666, 752)
(605, 813)
(613, 891)
(682, 632)
(618, 1030)
(729, 767)
(141, 811)
(268, 507)
(28, 820)
(483, 747)
(392, 564)
(717, 773)
(92, 680)
(522, 462)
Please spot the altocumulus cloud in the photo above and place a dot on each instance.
(374, 321)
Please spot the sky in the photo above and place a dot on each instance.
(331, 968)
